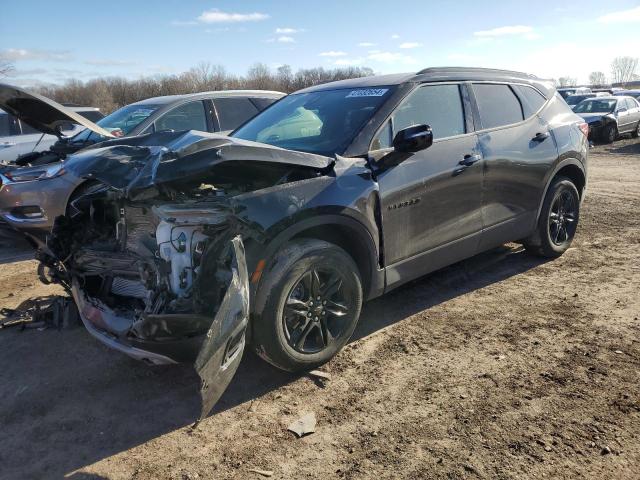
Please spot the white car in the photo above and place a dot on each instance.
(18, 138)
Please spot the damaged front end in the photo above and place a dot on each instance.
(153, 253)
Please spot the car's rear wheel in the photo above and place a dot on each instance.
(307, 305)
(558, 220)
(636, 132)
(610, 133)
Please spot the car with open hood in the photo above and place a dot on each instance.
(39, 188)
(18, 138)
(189, 246)
(609, 117)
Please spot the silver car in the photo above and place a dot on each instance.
(609, 117)
(32, 197)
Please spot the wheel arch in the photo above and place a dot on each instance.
(345, 232)
(572, 169)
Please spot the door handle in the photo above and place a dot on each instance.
(469, 160)
(540, 137)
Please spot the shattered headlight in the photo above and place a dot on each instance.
(24, 175)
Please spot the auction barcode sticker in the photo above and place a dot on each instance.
(367, 92)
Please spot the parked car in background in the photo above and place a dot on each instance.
(566, 91)
(18, 137)
(611, 116)
(31, 197)
(628, 93)
(189, 245)
(575, 99)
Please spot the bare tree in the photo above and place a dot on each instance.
(567, 81)
(113, 92)
(623, 69)
(5, 68)
(597, 79)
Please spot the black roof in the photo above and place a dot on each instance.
(436, 74)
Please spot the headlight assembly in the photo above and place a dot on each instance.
(20, 175)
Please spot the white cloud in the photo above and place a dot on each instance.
(367, 44)
(108, 62)
(623, 16)
(285, 39)
(392, 57)
(410, 45)
(395, 36)
(349, 62)
(333, 53)
(18, 54)
(288, 31)
(502, 31)
(217, 16)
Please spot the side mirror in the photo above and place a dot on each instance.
(622, 110)
(413, 139)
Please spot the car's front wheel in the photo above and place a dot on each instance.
(307, 305)
(558, 220)
(610, 133)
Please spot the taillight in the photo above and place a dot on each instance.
(584, 128)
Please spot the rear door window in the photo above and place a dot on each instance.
(234, 111)
(498, 105)
(4, 125)
(190, 116)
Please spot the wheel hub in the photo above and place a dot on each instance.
(314, 310)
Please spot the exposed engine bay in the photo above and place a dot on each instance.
(157, 268)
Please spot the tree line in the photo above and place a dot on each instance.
(623, 71)
(111, 93)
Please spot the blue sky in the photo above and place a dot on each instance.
(52, 41)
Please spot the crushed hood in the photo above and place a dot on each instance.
(42, 113)
(591, 117)
(136, 163)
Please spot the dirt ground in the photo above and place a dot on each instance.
(502, 366)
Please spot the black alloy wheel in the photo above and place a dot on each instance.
(563, 218)
(315, 311)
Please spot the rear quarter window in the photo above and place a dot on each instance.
(498, 105)
(261, 103)
(92, 115)
(531, 99)
(234, 111)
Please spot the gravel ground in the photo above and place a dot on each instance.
(502, 366)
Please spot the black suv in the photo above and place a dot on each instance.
(189, 244)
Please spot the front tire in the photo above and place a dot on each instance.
(307, 305)
(558, 220)
(610, 133)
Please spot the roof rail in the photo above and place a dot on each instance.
(495, 71)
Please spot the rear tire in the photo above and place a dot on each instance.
(307, 305)
(558, 220)
(636, 132)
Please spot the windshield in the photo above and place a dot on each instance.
(600, 106)
(565, 93)
(322, 122)
(120, 123)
